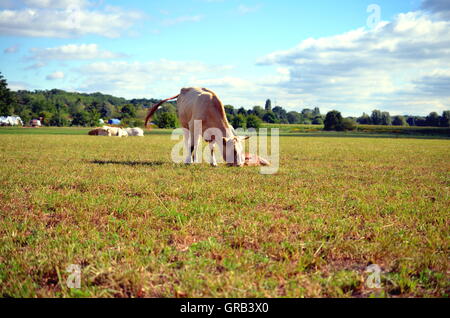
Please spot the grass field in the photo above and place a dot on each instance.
(142, 226)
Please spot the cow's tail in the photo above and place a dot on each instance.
(155, 108)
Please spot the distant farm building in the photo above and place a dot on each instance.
(10, 121)
(35, 123)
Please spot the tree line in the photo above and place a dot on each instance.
(384, 118)
(60, 108)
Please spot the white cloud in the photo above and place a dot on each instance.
(389, 67)
(55, 75)
(57, 4)
(137, 79)
(183, 19)
(243, 9)
(65, 19)
(73, 52)
(12, 49)
(35, 66)
(439, 7)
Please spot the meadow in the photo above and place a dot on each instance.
(142, 226)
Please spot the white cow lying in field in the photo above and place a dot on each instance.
(138, 132)
(117, 132)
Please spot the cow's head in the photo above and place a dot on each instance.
(233, 150)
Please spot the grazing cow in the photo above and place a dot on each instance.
(201, 104)
(135, 132)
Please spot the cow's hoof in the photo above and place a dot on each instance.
(214, 165)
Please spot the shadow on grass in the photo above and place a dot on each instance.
(128, 163)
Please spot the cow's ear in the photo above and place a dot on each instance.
(246, 138)
(224, 140)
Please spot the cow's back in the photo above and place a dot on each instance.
(201, 104)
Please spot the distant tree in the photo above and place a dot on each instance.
(253, 121)
(25, 115)
(242, 111)
(239, 121)
(420, 121)
(306, 121)
(432, 120)
(270, 118)
(376, 117)
(132, 122)
(318, 120)
(386, 119)
(60, 119)
(364, 119)
(316, 111)
(106, 110)
(445, 119)
(167, 108)
(76, 106)
(229, 109)
(93, 117)
(348, 124)
(268, 106)
(258, 111)
(166, 120)
(399, 121)
(45, 117)
(7, 98)
(281, 114)
(411, 120)
(333, 121)
(128, 111)
(93, 107)
(294, 117)
(80, 119)
(308, 113)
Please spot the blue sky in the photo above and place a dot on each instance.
(298, 53)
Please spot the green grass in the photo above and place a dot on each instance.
(43, 131)
(141, 226)
(372, 131)
(362, 131)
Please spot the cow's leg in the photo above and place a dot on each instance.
(195, 132)
(187, 144)
(212, 145)
(194, 146)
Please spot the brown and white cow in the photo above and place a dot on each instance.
(201, 105)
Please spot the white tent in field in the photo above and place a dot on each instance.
(10, 121)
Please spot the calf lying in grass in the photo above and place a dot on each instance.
(252, 160)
